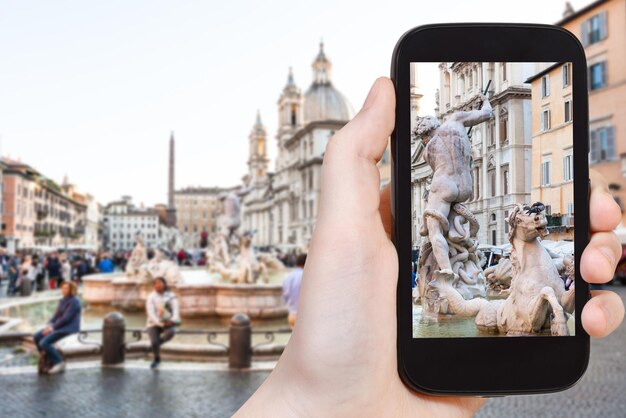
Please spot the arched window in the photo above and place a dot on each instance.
(293, 114)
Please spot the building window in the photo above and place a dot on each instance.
(568, 168)
(597, 75)
(503, 71)
(461, 87)
(492, 183)
(491, 132)
(293, 115)
(506, 224)
(545, 173)
(545, 86)
(594, 29)
(477, 183)
(567, 111)
(545, 120)
(504, 128)
(602, 145)
(505, 180)
(566, 74)
(493, 237)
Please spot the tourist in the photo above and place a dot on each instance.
(291, 288)
(64, 322)
(53, 265)
(106, 265)
(82, 269)
(38, 273)
(14, 272)
(66, 270)
(163, 317)
(26, 277)
(4, 265)
(341, 359)
(182, 257)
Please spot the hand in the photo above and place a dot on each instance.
(341, 358)
(47, 330)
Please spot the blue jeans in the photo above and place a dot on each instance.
(46, 343)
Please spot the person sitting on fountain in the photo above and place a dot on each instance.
(448, 152)
(64, 322)
(163, 317)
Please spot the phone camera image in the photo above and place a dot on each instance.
(492, 182)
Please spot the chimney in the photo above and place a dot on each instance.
(569, 10)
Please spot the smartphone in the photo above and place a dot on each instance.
(489, 166)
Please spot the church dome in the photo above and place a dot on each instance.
(323, 101)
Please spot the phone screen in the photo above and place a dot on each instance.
(492, 179)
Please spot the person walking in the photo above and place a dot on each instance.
(66, 270)
(163, 317)
(64, 322)
(53, 266)
(14, 274)
(26, 277)
(291, 288)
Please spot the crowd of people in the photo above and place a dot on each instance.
(26, 272)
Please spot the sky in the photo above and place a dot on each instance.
(91, 90)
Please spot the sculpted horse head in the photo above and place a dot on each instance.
(527, 222)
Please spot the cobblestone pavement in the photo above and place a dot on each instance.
(203, 390)
(127, 392)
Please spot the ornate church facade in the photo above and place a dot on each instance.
(281, 206)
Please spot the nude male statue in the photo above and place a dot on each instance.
(448, 152)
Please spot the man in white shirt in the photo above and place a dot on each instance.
(162, 317)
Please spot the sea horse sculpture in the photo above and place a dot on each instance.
(537, 299)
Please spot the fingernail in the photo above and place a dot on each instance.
(370, 96)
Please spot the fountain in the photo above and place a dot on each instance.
(529, 293)
(235, 279)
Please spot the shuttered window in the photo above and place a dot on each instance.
(602, 145)
(594, 29)
(597, 75)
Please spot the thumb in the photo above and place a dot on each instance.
(350, 179)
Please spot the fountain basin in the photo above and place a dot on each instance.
(199, 294)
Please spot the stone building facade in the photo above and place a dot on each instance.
(501, 147)
(282, 206)
(37, 211)
(196, 209)
(123, 221)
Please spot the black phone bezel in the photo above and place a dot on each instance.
(487, 366)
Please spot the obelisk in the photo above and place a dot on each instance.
(171, 208)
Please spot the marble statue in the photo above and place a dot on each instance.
(229, 219)
(136, 266)
(251, 269)
(451, 252)
(230, 253)
(499, 277)
(160, 266)
(537, 302)
(272, 263)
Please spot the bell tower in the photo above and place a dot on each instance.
(257, 154)
(289, 107)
